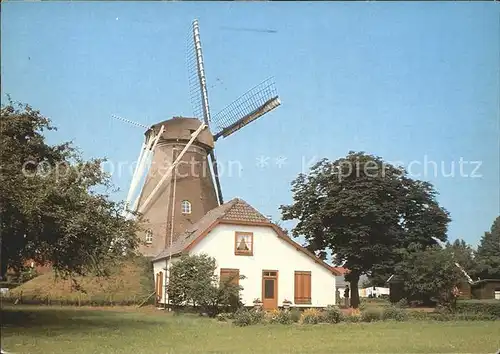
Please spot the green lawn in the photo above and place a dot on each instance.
(28, 329)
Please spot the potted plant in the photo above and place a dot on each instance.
(286, 304)
(257, 303)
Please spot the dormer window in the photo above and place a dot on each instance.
(243, 243)
(186, 207)
(149, 236)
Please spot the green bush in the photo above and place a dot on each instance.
(244, 317)
(281, 317)
(371, 315)
(352, 318)
(295, 315)
(332, 314)
(474, 317)
(193, 281)
(394, 313)
(403, 303)
(224, 316)
(257, 316)
(490, 308)
(311, 316)
(449, 316)
(419, 315)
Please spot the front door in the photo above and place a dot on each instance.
(270, 289)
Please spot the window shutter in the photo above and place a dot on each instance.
(159, 284)
(302, 287)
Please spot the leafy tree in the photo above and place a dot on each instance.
(363, 209)
(193, 282)
(488, 253)
(50, 209)
(464, 255)
(429, 273)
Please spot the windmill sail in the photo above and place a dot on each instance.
(252, 105)
(199, 94)
(256, 102)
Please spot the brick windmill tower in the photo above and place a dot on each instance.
(176, 180)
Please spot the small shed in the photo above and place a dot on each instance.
(485, 289)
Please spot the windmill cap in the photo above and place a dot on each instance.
(180, 129)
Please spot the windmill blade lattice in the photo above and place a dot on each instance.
(248, 107)
(195, 93)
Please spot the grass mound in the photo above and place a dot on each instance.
(130, 282)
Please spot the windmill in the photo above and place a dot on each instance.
(176, 179)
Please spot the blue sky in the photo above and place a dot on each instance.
(404, 81)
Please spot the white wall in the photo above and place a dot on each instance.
(269, 253)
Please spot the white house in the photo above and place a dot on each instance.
(245, 242)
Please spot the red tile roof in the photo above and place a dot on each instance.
(341, 270)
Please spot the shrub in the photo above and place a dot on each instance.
(332, 314)
(394, 313)
(295, 315)
(371, 315)
(491, 308)
(193, 282)
(419, 315)
(403, 303)
(473, 317)
(311, 316)
(257, 316)
(224, 316)
(280, 316)
(244, 317)
(353, 316)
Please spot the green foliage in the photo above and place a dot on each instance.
(394, 313)
(193, 282)
(403, 303)
(488, 253)
(371, 315)
(311, 316)
(450, 316)
(26, 274)
(332, 314)
(51, 210)
(244, 317)
(353, 316)
(429, 273)
(485, 307)
(363, 209)
(224, 316)
(464, 254)
(295, 315)
(280, 317)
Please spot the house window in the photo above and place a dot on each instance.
(243, 243)
(231, 275)
(149, 236)
(302, 287)
(186, 207)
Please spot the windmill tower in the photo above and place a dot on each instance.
(177, 167)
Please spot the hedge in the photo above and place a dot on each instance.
(485, 307)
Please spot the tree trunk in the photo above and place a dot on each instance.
(354, 291)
